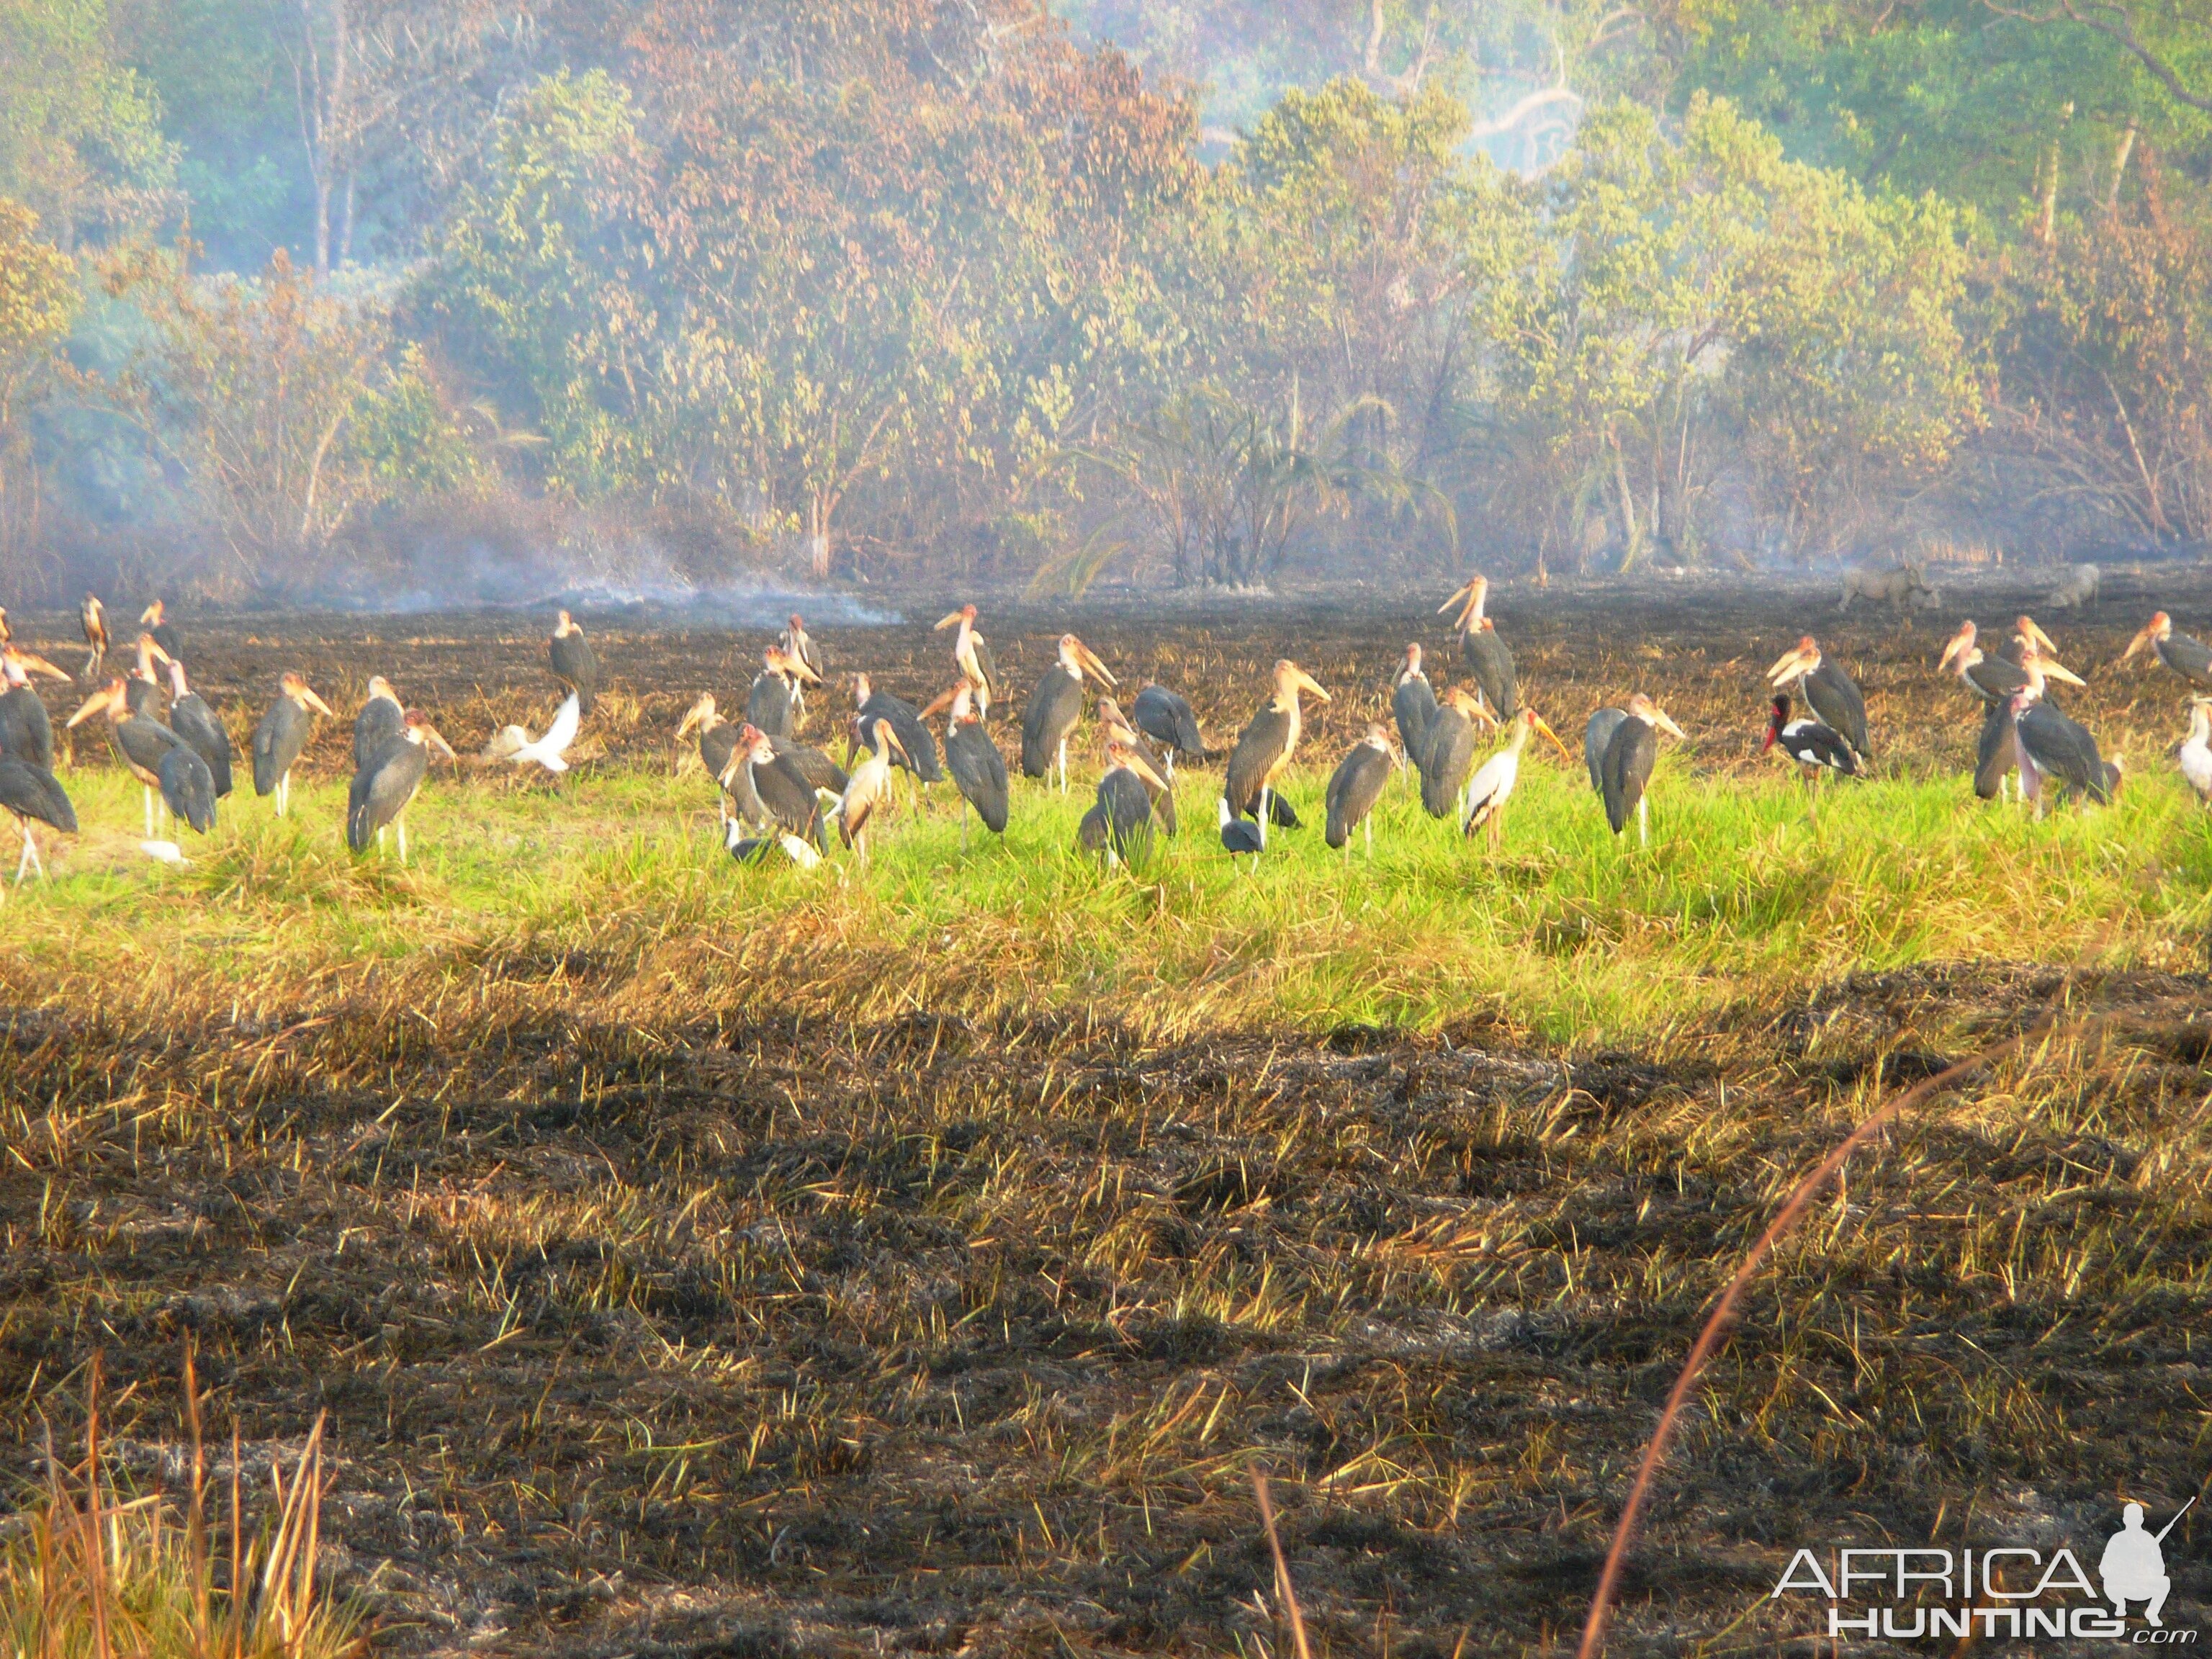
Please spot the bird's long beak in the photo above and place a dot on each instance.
(152, 647)
(1143, 767)
(308, 697)
(2053, 670)
(1305, 682)
(33, 663)
(951, 621)
(2137, 643)
(431, 736)
(1465, 598)
(891, 737)
(692, 716)
(1664, 721)
(98, 703)
(152, 613)
(2042, 641)
(1961, 643)
(1545, 726)
(942, 700)
(794, 664)
(1788, 663)
(1089, 659)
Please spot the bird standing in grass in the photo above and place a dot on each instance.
(575, 665)
(380, 721)
(1828, 691)
(1819, 749)
(777, 702)
(1446, 758)
(1166, 717)
(1054, 707)
(383, 790)
(1483, 651)
(2049, 743)
(283, 735)
(1118, 725)
(26, 732)
(1119, 823)
(1625, 769)
(915, 750)
(1494, 781)
(92, 617)
(1242, 837)
(979, 770)
(2196, 752)
(867, 790)
(1413, 704)
(191, 718)
(34, 795)
(768, 791)
(145, 745)
(1357, 785)
(1268, 741)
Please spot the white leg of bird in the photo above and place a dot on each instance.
(23, 863)
(379, 840)
(1063, 766)
(149, 814)
(1368, 825)
(1642, 822)
(399, 829)
(31, 846)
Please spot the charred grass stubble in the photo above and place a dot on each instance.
(650, 1315)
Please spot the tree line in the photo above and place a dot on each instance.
(872, 286)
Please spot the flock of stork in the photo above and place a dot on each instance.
(779, 795)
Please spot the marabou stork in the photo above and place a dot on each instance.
(1054, 707)
(1264, 748)
(2048, 745)
(383, 789)
(1118, 725)
(769, 792)
(93, 617)
(154, 620)
(1120, 822)
(979, 770)
(25, 731)
(144, 688)
(191, 718)
(142, 744)
(795, 641)
(2190, 659)
(188, 787)
(1240, 835)
(775, 702)
(718, 741)
(1414, 704)
(1994, 679)
(2024, 633)
(575, 665)
(755, 849)
(1492, 784)
(915, 750)
(1447, 758)
(1357, 785)
(282, 737)
(1827, 691)
(1483, 651)
(34, 795)
(867, 791)
(551, 750)
(380, 722)
(971, 655)
(2195, 754)
(1818, 748)
(1166, 718)
(1625, 769)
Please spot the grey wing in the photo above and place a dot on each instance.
(1596, 736)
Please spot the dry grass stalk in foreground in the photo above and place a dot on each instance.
(88, 1573)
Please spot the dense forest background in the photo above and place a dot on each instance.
(318, 298)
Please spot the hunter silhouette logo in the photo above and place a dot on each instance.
(1996, 1592)
(2134, 1567)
